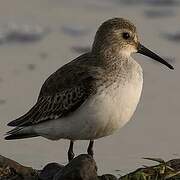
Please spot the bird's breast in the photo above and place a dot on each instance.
(102, 113)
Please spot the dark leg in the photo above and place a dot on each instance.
(90, 148)
(70, 151)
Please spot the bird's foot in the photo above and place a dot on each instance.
(90, 149)
(70, 155)
(70, 151)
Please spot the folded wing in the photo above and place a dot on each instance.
(62, 93)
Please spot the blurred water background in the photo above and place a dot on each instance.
(39, 36)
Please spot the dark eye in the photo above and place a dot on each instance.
(126, 35)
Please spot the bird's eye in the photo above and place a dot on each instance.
(126, 35)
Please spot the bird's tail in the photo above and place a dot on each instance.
(20, 133)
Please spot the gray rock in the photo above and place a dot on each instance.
(11, 170)
(107, 177)
(83, 167)
(49, 171)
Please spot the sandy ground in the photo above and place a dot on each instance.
(154, 129)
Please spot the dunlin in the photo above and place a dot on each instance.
(92, 96)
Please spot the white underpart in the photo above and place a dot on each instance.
(101, 115)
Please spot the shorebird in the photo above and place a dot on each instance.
(93, 95)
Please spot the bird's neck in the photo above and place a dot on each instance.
(117, 65)
(113, 57)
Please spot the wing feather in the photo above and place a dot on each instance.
(62, 93)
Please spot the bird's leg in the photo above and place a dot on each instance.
(90, 148)
(70, 151)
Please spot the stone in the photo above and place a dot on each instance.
(83, 167)
(49, 171)
(11, 170)
(107, 177)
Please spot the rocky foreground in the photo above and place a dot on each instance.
(83, 167)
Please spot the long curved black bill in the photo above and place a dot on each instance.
(143, 50)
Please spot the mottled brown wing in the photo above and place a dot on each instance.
(62, 93)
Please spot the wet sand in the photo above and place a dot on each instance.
(154, 129)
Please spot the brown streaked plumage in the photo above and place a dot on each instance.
(93, 95)
(63, 92)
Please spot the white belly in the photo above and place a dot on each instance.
(101, 115)
(110, 109)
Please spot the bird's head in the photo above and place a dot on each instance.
(120, 35)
